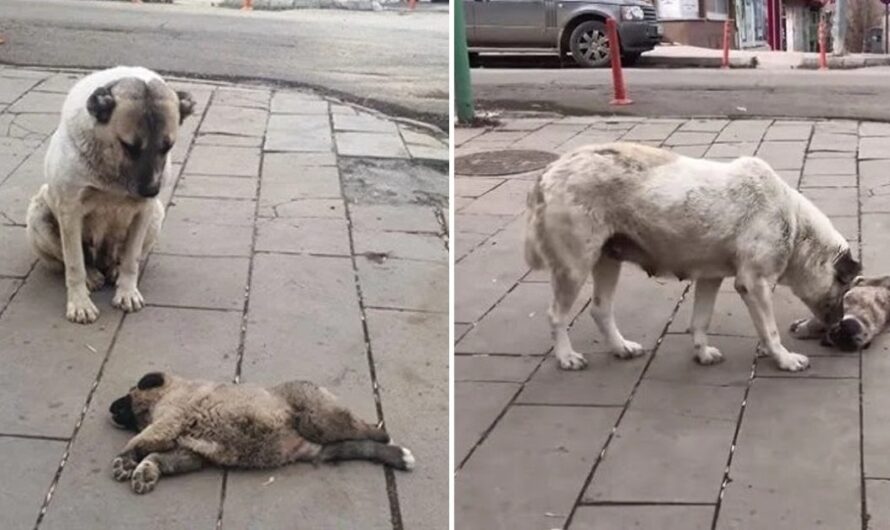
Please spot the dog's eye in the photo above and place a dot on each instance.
(132, 150)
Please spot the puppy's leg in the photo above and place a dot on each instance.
(566, 287)
(807, 329)
(319, 418)
(880, 281)
(389, 455)
(755, 291)
(605, 279)
(80, 308)
(180, 460)
(160, 436)
(702, 310)
(127, 296)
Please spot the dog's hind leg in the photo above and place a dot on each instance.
(43, 233)
(605, 279)
(756, 292)
(389, 455)
(566, 287)
(703, 308)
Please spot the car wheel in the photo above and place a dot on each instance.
(589, 44)
(629, 59)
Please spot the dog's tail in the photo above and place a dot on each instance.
(389, 455)
(534, 227)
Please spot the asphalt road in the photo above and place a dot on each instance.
(394, 61)
(855, 94)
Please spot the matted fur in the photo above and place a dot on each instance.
(695, 219)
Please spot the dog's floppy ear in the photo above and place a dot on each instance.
(186, 105)
(101, 104)
(151, 380)
(846, 268)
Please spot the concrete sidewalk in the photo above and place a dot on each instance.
(304, 239)
(659, 442)
(682, 56)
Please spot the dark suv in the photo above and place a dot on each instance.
(576, 27)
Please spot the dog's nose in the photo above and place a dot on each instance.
(149, 191)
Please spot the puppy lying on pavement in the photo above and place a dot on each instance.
(183, 425)
(866, 315)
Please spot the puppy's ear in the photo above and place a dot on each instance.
(186, 105)
(101, 104)
(846, 268)
(151, 380)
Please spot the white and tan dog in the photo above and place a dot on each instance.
(98, 216)
(674, 215)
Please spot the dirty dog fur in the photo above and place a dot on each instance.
(703, 220)
(866, 315)
(184, 425)
(97, 216)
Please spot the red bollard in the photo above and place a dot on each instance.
(412, 4)
(823, 62)
(248, 5)
(615, 54)
(726, 32)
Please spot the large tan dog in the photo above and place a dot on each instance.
(98, 216)
(674, 215)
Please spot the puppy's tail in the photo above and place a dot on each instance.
(388, 455)
(534, 227)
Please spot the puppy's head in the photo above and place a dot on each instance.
(136, 124)
(831, 282)
(133, 411)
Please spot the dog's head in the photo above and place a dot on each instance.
(136, 125)
(831, 281)
(133, 411)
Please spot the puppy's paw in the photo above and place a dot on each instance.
(122, 468)
(793, 362)
(806, 329)
(129, 300)
(708, 356)
(145, 477)
(81, 309)
(408, 461)
(857, 281)
(630, 350)
(572, 361)
(95, 279)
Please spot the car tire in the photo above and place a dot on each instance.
(589, 44)
(629, 59)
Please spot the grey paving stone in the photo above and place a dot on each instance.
(228, 139)
(36, 359)
(874, 178)
(828, 181)
(671, 446)
(183, 145)
(834, 201)
(589, 137)
(532, 464)
(38, 102)
(789, 308)
(239, 97)
(324, 208)
(875, 409)
(837, 126)
(241, 121)
(298, 103)
(411, 362)
(526, 124)
(831, 154)
(730, 315)
(704, 125)
(17, 257)
(871, 148)
(342, 109)
(194, 343)
(422, 152)
(744, 131)
(20, 186)
(216, 187)
(12, 88)
(363, 123)
(418, 137)
(299, 133)
(495, 368)
(223, 160)
(607, 381)
(878, 503)
(33, 124)
(819, 459)
(208, 227)
(789, 131)
(848, 226)
(783, 155)
(829, 166)
(8, 287)
(278, 190)
(476, 406)
(674, 362)
(402, 218)
(480, 224)
(185, 281)
(837, 366)
(303, 235)
(874, 128)
(400, 245)
(29, 466)
(506, 199)
(690, 138)
(465, 243)
(463, 135)
(475, 186)
(643, 517)
(731, 150)
(791, 177)
(650, 131)
(24, 73)
(417, 285)
(374, 145)
(549, 137)
(823, 141)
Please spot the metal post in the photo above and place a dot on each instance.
(726, 31)
(886, 16)
(463, 91)
(823, 64)
(615, 55)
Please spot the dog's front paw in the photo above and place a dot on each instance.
(81, 309)
(793, 362)
(630, 350)
(145, 477)
(708, 356)
(572, 361)
(122, 468)
(129, 300)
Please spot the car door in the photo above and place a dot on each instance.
(470, 18)
(510, 23)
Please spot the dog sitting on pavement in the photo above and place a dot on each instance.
(601, 205)
(98, 214)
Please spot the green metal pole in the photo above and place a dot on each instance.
(463, 91)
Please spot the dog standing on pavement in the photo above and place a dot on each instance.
(98, 216)
(704, 220)
(183, 425)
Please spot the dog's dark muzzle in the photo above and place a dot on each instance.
(122, 413)
(847, 335)
(149, 190)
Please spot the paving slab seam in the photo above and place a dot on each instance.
(407, 310)
(196, 307)
(17, 288)
(22, 162)
(487, 238)
(306, 254)
(645, 503)
(34, 437)
(574, 405)
(633, 391)
(821, 377)
(215, 197)
(391, 486)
